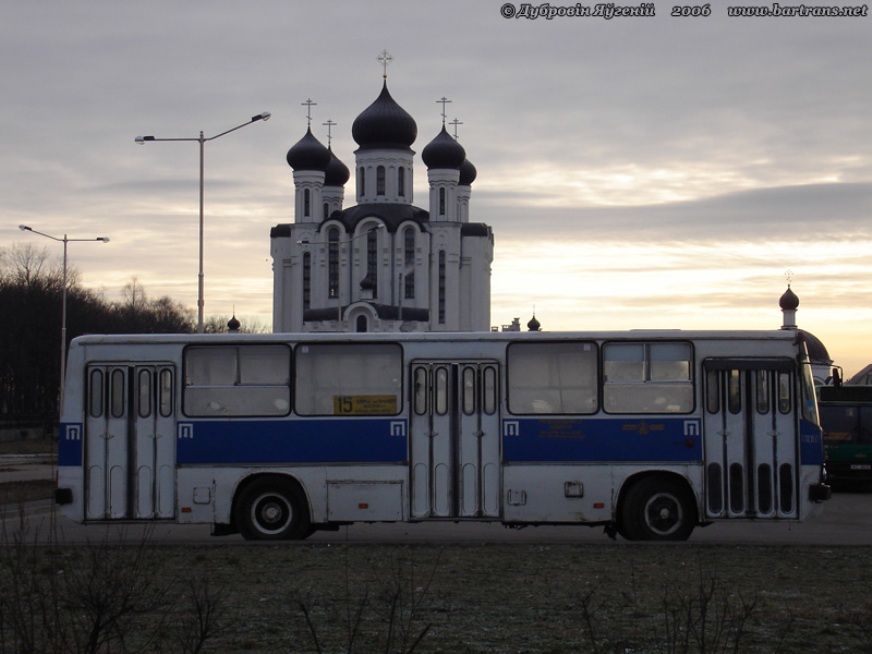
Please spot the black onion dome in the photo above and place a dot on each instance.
(384, 124)
(817, 351)
(337, 173)
(308, 154)
(534, 325)
(788, 301)
(468, 173)
(443, 152)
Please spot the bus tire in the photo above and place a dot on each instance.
(272, 509)
(657, 508)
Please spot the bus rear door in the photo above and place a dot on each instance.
(129, 442)
(751, 441)
(455, 440)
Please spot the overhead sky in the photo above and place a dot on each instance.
(652, 171)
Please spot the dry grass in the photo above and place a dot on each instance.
(548, 599)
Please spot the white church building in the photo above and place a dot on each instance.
(382, 264)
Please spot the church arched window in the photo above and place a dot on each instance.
(361, 325)
(442, 201)
(409, 246)
(441, 298)
(372, 259)
(326, 210)
(380, 180)
(333, 262)
(307, 201)
(307, 280)
(361, 182)
(401, 182)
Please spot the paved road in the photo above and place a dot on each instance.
(845, 520)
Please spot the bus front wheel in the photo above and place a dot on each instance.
(270, 509)
(657, 508)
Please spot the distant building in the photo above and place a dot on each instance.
(383, 264)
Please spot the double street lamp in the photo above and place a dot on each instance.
(64, 240)
(142, 140)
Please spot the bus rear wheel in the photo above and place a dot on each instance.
(270, 509)
(657, 508)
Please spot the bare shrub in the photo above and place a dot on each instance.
(105, 596)
(387, 620)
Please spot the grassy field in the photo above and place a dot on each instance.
(610, 598)
(463, 598)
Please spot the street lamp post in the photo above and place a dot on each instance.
(64, 240)
(142, 140)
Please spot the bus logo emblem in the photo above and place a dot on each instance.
(186, 430)
(398, 428)
(74, 432)
(691, 428)
(511, 428)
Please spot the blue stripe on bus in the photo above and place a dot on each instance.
(811, 445)
(328, 440)
(597, 439)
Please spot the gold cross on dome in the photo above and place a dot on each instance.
(309, 104)
(443, 101)
(385, 58)
(455, 123)
(329, 124)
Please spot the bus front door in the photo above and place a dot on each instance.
(129, 442)
(751, 444)
(455, 440)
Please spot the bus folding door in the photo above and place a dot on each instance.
(129, 442)
(455, 440)
(751, 449)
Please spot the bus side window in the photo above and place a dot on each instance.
(143, 403)
(558, 378)
(165, 392)
(762, 377)
(420, 391)
(712, 391)
(784, 404)
(116, 392)
(95, 393)
(348, 379)
(734, 391)
(648, 377)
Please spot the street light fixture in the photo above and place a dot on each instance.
(64, 240)
(142, 140)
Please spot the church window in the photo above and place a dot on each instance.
(409, 261)
(442, 201)
(361, 324)
(401, 182)
(333, 262)
(441, 299)
(361, 182)
(380, 180)
(307, 280)
(372, 259)
(307, 201)
(409, 246)
(326, 210)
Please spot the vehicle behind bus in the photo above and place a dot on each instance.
(846, 419)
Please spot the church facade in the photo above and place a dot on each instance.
(382, 264)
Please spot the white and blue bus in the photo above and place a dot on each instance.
(647, 433)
